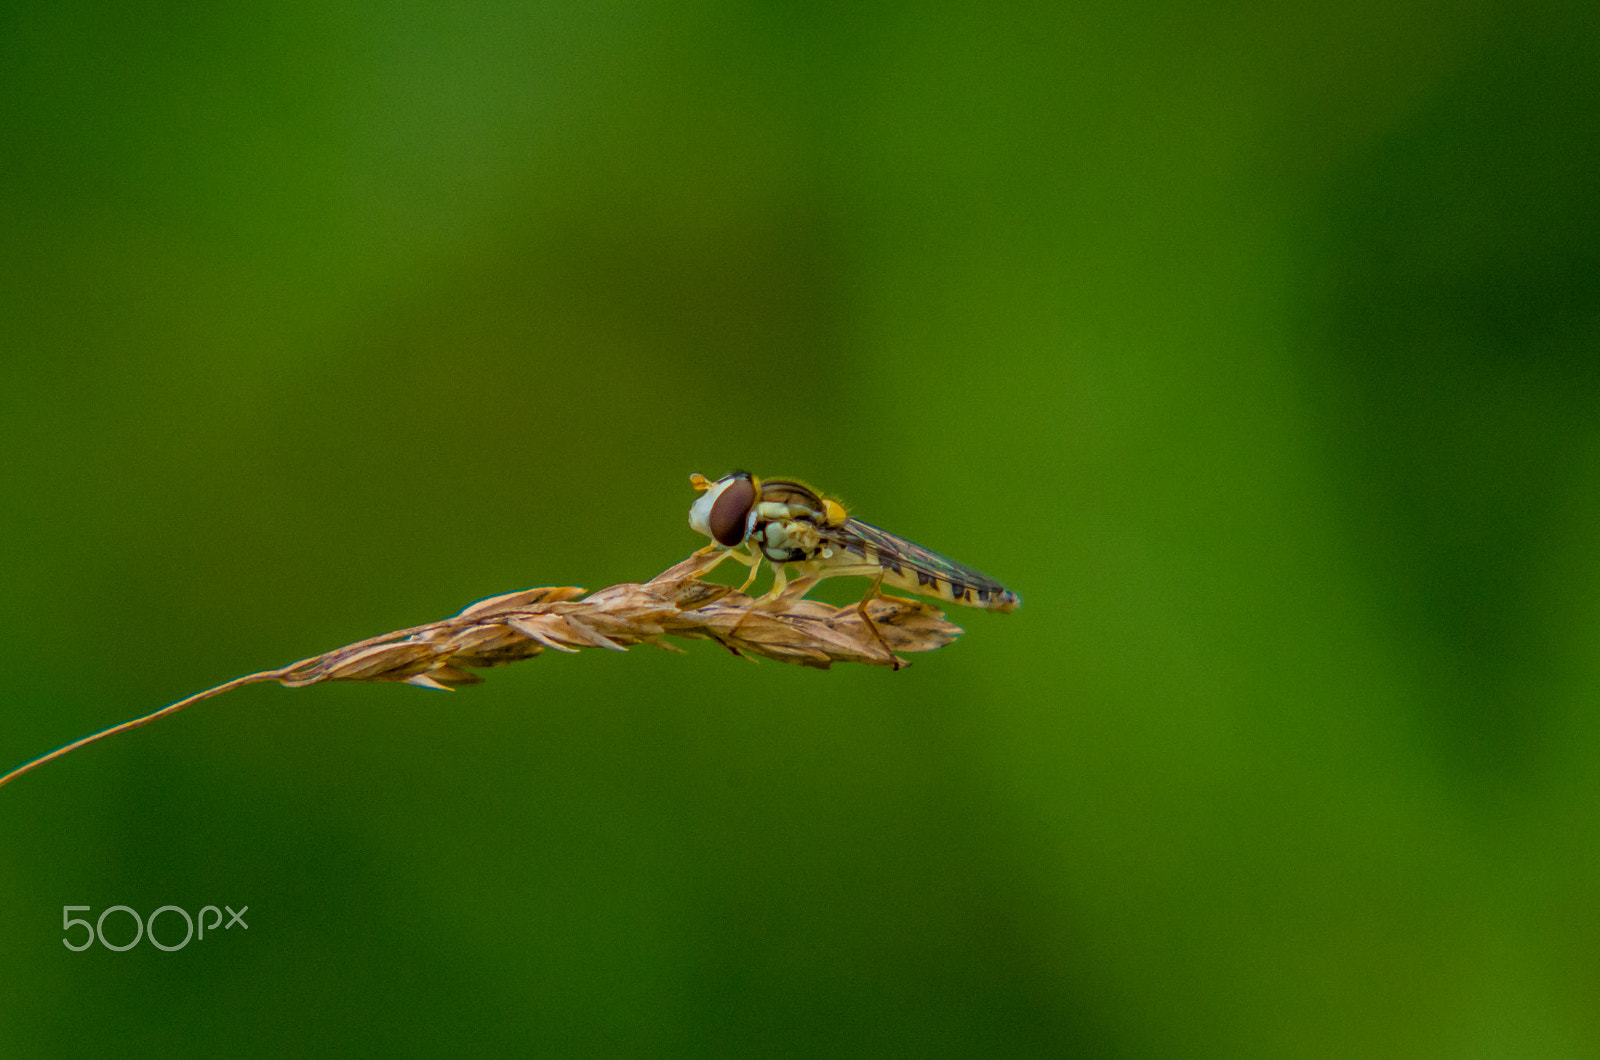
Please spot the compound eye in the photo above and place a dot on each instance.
(731, 510)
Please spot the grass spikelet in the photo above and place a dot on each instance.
(678, 602)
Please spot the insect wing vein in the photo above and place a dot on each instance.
(892, 549)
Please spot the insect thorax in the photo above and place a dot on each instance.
(787, 540)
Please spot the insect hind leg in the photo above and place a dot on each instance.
(875, 592)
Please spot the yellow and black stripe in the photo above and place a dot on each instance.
(792, 523)
(909, 566)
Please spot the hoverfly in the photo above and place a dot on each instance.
(793, 527)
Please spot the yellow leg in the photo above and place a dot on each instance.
(874, 593)
(753, 562)
(780, 582)
(800, 586)
(755, 566)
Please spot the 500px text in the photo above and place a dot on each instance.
(141, 928)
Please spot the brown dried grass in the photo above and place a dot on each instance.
(678, 602)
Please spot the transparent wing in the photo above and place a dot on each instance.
(898, 556)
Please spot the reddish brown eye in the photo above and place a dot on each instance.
(731, 509)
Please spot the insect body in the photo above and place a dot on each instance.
(792, 526)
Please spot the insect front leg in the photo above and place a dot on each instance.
(753, 561)
(779, 581)
(727, 553)
(755, 564)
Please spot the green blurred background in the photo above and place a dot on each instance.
(1257, 348)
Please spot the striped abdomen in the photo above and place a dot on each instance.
(909, 566)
